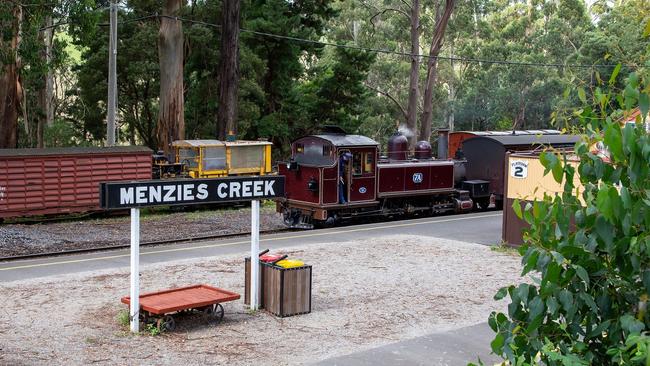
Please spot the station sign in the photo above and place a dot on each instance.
(120, 195)
(519, 169)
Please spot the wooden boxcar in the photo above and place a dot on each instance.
(64, 180)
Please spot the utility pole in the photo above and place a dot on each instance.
(112, 77)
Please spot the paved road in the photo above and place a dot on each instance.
(483, 228)
(453, 348)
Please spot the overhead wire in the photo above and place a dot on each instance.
(369, 49)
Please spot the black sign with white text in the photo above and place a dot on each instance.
(115, 195)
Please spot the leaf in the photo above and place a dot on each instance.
(552, 305)
(566, 299)
(604, 203)
(558, 172)
(516, 206)
(582, 95)
(582, 274)
(503, 291)
(612, 78)
(536, 307)
(497, 343)
(549, 161)
(646, 30)
(644, 102)
(589, 301)
(631, 325)
(614, 141)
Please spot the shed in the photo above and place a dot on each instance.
(486, 155)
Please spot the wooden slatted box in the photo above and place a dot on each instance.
(247, 282)
(284, 291)
(287, 291)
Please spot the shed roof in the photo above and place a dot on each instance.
(348, 140)
(510, 133)
(75, 151)
(513, 140)
(204, 143)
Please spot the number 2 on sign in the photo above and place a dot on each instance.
(519, 169)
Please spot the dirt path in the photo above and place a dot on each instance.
(365, 294)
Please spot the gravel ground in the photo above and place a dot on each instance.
(365, 294)
(20, 239)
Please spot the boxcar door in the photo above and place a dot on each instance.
(364, 164)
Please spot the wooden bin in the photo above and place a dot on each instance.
(286, 291)
(247, 282)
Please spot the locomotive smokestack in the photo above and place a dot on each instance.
(398, 147)
(443, 143)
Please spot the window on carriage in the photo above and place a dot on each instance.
(368, 163)
(356, 163)
(327, 150)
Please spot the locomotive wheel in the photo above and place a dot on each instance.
(290, 218)
(482, 203)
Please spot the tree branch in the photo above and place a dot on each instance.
(401, 108)
(390, 9)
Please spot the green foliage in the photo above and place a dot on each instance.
(63, 134)
(123, 318)
(152, 329)
(590, 259)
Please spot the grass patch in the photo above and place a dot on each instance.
(123, 318)
(505, 248)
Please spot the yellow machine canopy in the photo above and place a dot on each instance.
(215, 158)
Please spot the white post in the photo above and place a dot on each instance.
(112, 76)
(134, 312)
(255, 249)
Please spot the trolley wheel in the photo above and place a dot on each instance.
(144, 317)
(166, 324)
(215, 311)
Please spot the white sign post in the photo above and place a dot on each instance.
(255, 249)
(134, 313)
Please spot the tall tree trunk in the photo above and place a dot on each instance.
(432, 67)
(171, 121)
(411, 122)
(9, 83)
(228, 70)
(43, 113)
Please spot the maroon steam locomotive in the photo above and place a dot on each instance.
(336, 176)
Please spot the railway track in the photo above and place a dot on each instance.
(142, 244)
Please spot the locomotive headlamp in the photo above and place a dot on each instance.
(292, 165)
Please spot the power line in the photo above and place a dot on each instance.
(377, 50)
(406, 54)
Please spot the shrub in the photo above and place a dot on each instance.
(590, 259)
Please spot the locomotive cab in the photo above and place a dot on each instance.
(327, 173)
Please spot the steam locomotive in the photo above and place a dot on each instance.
(336, 176)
